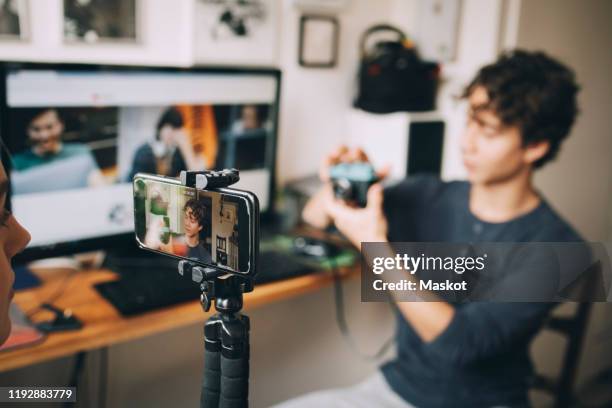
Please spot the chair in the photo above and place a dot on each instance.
(574, 329)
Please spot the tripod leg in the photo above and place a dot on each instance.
(235, 365)
(211, 380)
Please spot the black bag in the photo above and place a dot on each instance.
(393, 78)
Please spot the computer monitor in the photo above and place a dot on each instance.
(77, 134)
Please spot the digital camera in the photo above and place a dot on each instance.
(351, 182)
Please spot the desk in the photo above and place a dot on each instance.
(104, 326)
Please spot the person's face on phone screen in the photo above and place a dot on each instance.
(13, 239)
(45, 132)
(191, 224)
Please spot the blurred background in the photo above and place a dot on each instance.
(309, 49)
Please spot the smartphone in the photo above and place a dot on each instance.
(218, 228)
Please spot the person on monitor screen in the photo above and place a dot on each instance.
(474, 354)
(170, 152)
(252, 117)
(13, 239)
(194, 223)
(45, 129)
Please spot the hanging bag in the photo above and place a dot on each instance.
(392, 77)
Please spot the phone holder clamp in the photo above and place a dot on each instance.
(225, 382)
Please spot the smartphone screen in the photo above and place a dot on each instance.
(211, 228)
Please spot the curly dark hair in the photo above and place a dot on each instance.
(171, 117)
(533, 91)
(198, 209)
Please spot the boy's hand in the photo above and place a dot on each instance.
(342, 154)
(359, 225)
(316, 211)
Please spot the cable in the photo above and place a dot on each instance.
(55, 295)
(341, 319)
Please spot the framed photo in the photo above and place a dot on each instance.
(14, 20)
(237, 32)
(318, 46)
(101, 21)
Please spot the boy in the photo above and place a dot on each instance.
(194, 221)
(475, 354)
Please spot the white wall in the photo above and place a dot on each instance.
(166, 37)
(315, 102)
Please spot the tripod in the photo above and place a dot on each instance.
(225, 383)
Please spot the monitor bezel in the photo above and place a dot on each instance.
(122, 240)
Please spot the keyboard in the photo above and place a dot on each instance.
(142, 290)
(150, 281)
(275, 266)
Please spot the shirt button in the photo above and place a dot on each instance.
(477, 228)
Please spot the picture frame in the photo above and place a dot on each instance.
(14, 20)
(101, 21)
(237, 32)
(318, 41)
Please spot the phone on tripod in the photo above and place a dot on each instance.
(214, 228)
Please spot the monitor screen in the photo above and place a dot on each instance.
(77, 136)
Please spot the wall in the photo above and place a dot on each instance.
(579, 33)
(579, 182)
(165, 28)
(315, 102)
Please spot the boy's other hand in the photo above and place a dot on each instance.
(359, 225)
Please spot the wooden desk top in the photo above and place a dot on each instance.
(104, 326)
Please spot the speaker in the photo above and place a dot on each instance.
(425, 143)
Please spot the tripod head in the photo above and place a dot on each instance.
(225, 289)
